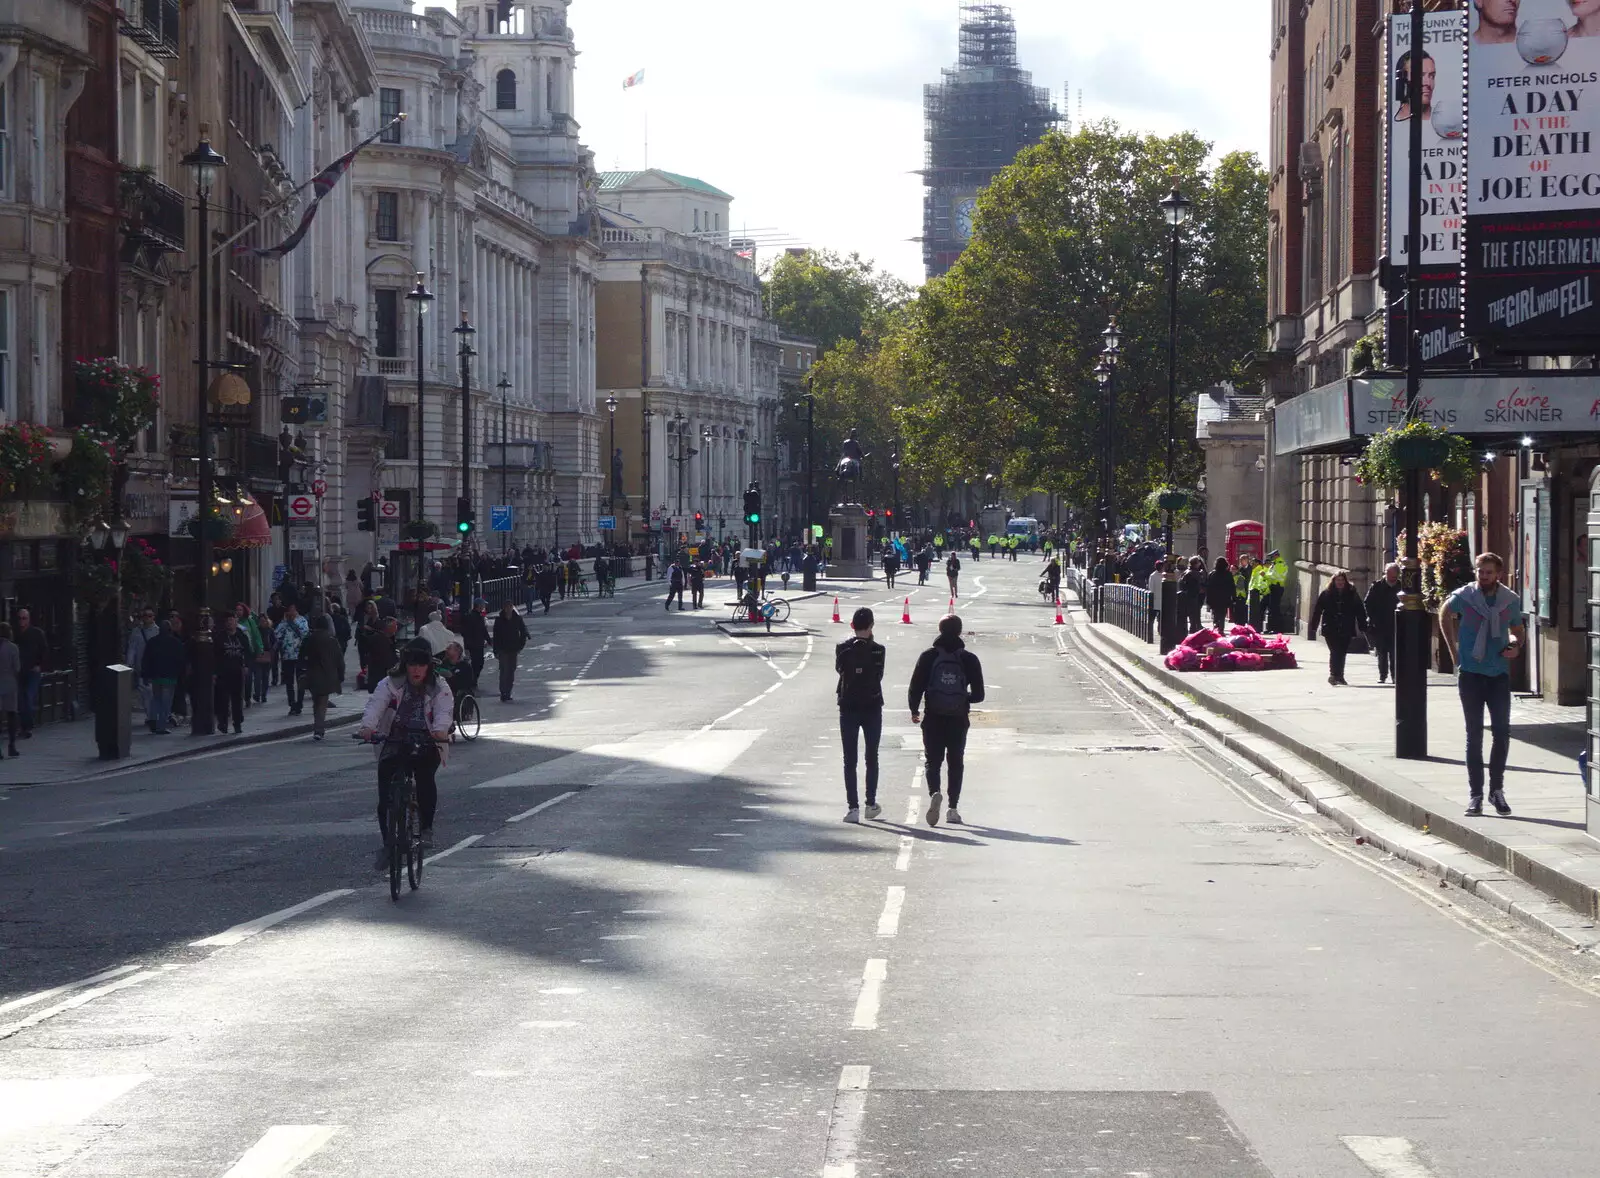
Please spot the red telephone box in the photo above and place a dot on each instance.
(1246, 537)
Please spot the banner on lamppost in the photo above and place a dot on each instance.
(1441, 195)
(1533, 177)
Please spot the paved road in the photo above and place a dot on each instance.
(663, 953)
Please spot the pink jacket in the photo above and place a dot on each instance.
(384, 702)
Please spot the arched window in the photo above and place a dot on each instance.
(505, 90)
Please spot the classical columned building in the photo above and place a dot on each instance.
(687, 352)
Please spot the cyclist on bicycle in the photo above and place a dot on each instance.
(412, 705)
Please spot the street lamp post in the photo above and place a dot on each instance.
(811, 415)
(1412, 628)
(464, 331)
(1106, 374)
(706, 434)
(646, 417)
(611, 483)
(505, 400)
(555, 505)
(420, 297)
(1176, 207)
(894, 466)
(206, 163)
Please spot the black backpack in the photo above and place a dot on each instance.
(857, 685)
(947, 684)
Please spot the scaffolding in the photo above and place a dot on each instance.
(978, 116)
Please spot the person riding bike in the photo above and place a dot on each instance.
(412, 705)
(457, 671)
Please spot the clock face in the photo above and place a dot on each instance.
(963, 213)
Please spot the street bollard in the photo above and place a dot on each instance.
(113, 717)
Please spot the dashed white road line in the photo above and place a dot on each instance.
(913, 806)
(281, 1149)
(604, 646)
(1391, 1157)
(461, 846)
(872, 979)
(844, 1126)
(76, 1001)
(889, 921)
(902, 861)
(42, 995)
(544, 805)
(250, 928)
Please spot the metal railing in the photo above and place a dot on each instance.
(501, 590)
(1078, 583)
(1125, 606)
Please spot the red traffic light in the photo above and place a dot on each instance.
(870, 512)
(889, 512)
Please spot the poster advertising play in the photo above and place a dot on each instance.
(1440, 195)
(1533, 174)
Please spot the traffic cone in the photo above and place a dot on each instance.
(836, 609)
(951, 608)
(1060, 621)
(905, 613)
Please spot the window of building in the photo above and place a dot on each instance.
(1336, 213)
(386, 325)
(389, 105)
(505, 90)
(397, 424)
(697, 220)
(8, 377)
(550, 87)
(387, 227)
(36, 172)
(5, 139)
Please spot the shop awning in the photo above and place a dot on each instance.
(1546, 405)
(251, 528)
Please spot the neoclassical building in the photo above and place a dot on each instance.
(688, 354)
(481, 190)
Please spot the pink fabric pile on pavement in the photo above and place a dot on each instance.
(1242, 649)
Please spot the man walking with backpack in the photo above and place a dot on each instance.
(951, 678)
(859, 662)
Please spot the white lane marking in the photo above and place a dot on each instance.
(652, 757)
(281, 1150)
(75, 1001)
(544, 805)
(27, 1106)
(844, 1127)
(548, 1024)
(902, 861)
(250, 928)
(913, 807)
(461, 846)
(889, 921)
(1392, 1157)
(563, 990)
(872, 979)
(30, 999)
(604, 646)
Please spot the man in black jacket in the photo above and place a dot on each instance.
(859, 663)
(1382, 596)
(510, 636)
(951, 678)
(475, 634)
(232, 649)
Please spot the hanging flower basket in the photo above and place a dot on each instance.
(1177, 500)
(1416, 445)
(117, 398)
(145, 579)
(217, 527)
(25, 459)
(421, 529)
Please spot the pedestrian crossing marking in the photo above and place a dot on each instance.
(281, 1150)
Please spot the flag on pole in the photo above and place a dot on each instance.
(633, 80)
(321, 184)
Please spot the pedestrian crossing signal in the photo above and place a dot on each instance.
(752, 504)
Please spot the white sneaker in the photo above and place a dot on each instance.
(953, 816)
(874, 810)
(935, 800)
(852, 815)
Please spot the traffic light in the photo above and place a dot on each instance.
(466, 518)
(888, 513)
(699, 522)
(752, 504)
(365, 519)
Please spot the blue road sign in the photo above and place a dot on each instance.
(500, 518)
(608, 523)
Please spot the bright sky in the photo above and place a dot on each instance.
(810, 111)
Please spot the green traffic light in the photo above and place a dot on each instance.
(463, 527)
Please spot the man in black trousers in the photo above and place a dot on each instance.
(949, 679)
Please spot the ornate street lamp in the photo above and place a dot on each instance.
(1176, 208)
(421, 298)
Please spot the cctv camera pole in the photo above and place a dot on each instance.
(1412, 630)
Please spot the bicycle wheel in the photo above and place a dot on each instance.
(413, 842)
(468, 719)
(780, 610)
(397, 836)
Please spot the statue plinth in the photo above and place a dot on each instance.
(852, 542)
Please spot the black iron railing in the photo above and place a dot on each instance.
(1127, 607)
(152, 210)
(153, 24)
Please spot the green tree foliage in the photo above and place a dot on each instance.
(822, 296)
(1072, 233)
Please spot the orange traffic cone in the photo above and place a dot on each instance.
(836, 609)
(1060, 621)
(905, 613)
(951, 608)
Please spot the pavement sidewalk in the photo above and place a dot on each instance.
(1327, 743)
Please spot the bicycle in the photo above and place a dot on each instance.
(403, 823)
(581, 589)
(767, 609)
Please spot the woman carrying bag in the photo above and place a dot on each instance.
(1340, 614)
